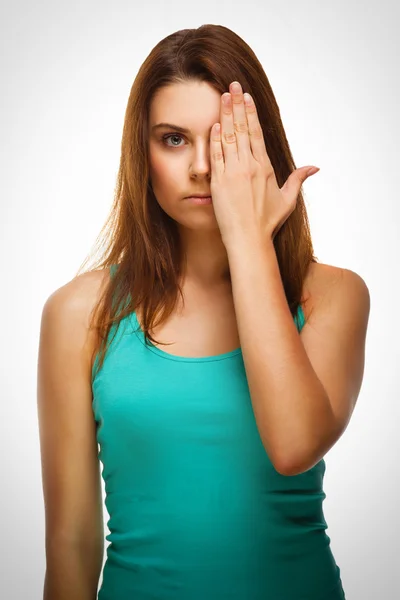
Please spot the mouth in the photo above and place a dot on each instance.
(199, 199)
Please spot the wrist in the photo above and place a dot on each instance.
(248, 240)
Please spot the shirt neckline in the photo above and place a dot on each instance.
(167, 355)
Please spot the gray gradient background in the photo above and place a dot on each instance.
(66, 72)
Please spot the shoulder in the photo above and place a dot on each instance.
(70, 306)
(79, 295)
(328, 287)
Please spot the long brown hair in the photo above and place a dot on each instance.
(138, 235)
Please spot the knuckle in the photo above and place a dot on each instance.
(255, 169)
(269, 171)
(230, 138)
(217, 156)
(256, 132)
(240, 126)
(245, 172)
(251, 109)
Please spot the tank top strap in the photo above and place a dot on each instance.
(113, 269)
(299, 318)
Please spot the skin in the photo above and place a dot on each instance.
(180, 166)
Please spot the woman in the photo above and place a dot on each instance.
(212, 449)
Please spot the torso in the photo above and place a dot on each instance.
(206, 325)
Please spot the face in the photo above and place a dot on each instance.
(180, 160)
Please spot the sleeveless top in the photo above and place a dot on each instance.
(196, 508)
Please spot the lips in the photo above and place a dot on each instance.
(200, 199)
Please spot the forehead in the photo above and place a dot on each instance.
(193, 105)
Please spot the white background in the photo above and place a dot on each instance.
(66, 73)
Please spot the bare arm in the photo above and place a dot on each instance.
(69, 453)
(303, 387)
(72, 572)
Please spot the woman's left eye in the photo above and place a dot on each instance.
(171, 135)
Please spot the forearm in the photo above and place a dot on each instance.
(72, 571)
(290, 404)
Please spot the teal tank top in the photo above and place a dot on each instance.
(196, 508)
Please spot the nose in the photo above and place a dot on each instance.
(200, 166)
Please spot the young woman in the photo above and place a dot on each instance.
(210, 356)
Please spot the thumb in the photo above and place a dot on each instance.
(296, 180)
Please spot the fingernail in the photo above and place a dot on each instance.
(247, 98)
(312, 171)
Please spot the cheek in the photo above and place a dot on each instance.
(165, 171)
(166, 180)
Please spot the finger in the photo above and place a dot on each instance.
(240, 121)
(216, 153)
(228, 137)
(292, 185)
(256, 136)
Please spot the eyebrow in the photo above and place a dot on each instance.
(170, 126)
